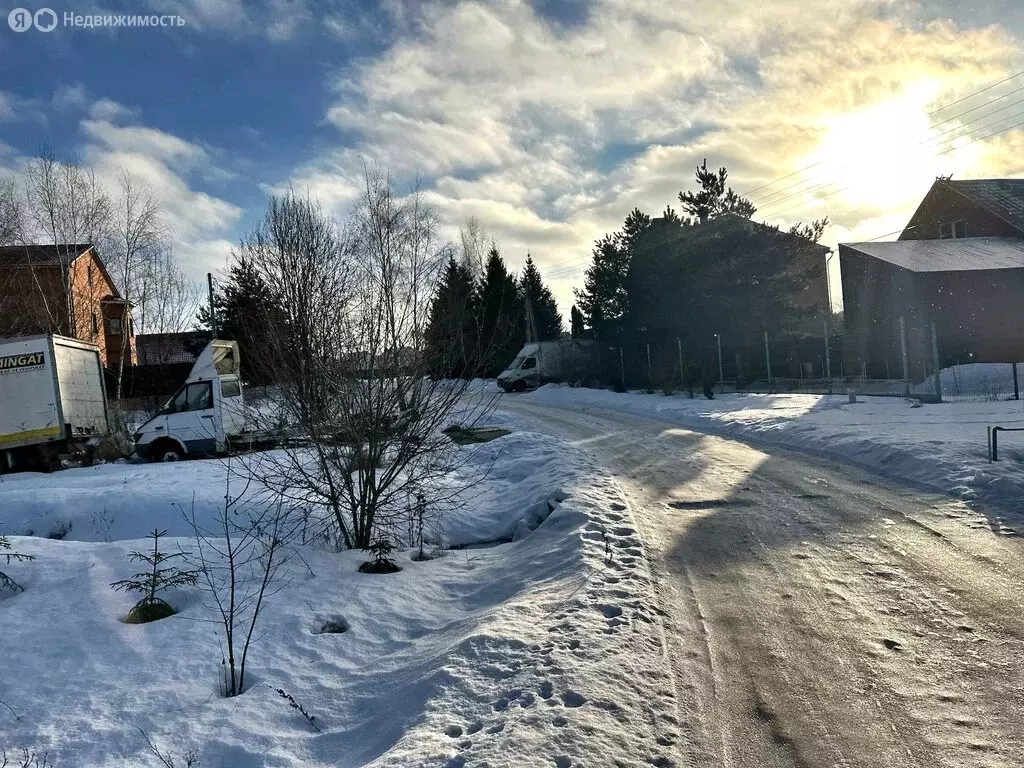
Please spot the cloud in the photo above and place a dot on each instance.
(67, 97)
(201, 224)
(524, 122)
(6, 108)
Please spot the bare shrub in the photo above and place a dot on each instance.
(239, 562)
(355, 410)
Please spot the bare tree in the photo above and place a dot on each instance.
(137, 255)
(11, 213)
(66, 206)
(363, 421)
(474, 243)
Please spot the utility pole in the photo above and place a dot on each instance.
(531, 323)
(213, 309)
(768, 359)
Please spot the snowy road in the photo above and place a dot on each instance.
(816, 615)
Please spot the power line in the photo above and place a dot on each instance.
(924, 142)
(945, 151)
(944, 107)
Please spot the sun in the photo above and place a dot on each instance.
(881, 156)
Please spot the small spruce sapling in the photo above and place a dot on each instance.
(156, 579)
(7, 584)
(381, 550)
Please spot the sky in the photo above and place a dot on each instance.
(546, 120)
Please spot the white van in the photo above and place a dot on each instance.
(204, 415)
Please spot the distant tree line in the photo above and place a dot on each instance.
(479, 314)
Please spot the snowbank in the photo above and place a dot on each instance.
(941, 446)
(505, 656)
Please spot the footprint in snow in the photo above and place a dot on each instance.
(572, 699)
(546, 689)
(563, 761)
(559, 721)
(618, 507)
(475, 726)
(453, 731)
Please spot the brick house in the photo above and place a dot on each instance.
(64, 289)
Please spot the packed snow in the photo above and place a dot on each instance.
(508, 655)
(940, 446)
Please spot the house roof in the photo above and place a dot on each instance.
(952, 255)
(1002, 197)
(41, 255)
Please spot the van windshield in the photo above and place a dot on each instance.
(514, 365)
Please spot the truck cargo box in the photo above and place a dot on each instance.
(51, 390)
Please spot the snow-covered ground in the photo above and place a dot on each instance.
(941, 446)
(543, 651)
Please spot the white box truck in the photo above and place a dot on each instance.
(53, 400)
(566, 360)
(205, 416)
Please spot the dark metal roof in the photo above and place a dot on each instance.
(41, 255)
(954, 255)
(1002, 197)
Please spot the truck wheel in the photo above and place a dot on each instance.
(167, 450)
(519, 386)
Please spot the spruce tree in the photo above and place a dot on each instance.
(603, 300)
(451, 337)
(249, 312)
(577, 326)
(546, 318)
(500, 316)
(155, 579)
(7, 584)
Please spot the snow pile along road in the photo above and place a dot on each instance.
(941, 446)
(543, 651)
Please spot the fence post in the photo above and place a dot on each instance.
(768, 360)
(679, 351)
(828, 355)
(650, 373)
(903, 349)
(1016, 384)
(721, 375)
(622, 370)
(935, 362)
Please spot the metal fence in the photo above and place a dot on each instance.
(912, 364)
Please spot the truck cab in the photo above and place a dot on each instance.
(203, 415)
(522, 373)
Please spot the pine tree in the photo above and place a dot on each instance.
(156, 579)
(578, 328)
(715, 197)
(603, 300)
(546, 318)
(500, 316)
(7, 584)
(451, 337)
(249, 312)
